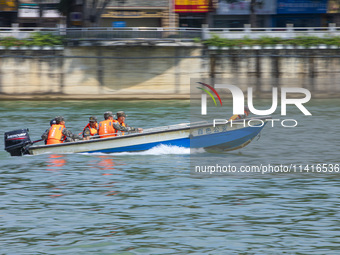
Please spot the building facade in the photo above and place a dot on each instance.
(301, 13)
(42, 13)
(195, 13)
(139, 13)
(8, 12)
(235, 14)
(175, 13)
(273, 13)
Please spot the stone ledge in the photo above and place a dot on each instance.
(33, 48)
(48, 97)
(134, 42)
(54, 97)
(276, 47)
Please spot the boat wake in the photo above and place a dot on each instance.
(158, 150)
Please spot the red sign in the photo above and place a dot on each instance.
(192, 6)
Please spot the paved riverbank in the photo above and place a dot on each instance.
(48, 97)
(54, 97)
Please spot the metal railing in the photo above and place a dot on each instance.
(284, 32)
(26, 32)
(152, 33)
(133, 33)
(106, 33)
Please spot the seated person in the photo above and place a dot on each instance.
(109, 127)
(237, 116)
(91, 129)
(57, 133)
(121, 116)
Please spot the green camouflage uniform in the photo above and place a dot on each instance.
(87, 133)
(119, 127)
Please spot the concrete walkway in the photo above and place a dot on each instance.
(50, 97)
(53, 97)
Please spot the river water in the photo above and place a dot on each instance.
(149, 203)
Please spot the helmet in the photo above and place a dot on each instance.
(53, 122)
(59, 119)
(121, 114)
(92, 119)
(246, 110)
(107, 115)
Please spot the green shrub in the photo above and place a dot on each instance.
(11, 41)
(45, 39)
(306, 41)
(267, 40)
(37, 39)
(332, 40)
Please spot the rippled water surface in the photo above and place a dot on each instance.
(148, 203)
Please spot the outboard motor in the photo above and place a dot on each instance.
(16, 142)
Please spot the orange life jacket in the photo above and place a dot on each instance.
(106, 129)
(235, 117)
(123, 125)
(55, 135)
(93, 131)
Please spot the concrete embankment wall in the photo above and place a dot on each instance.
(317, 70)
(149, 72)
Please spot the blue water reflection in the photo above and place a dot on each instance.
(148, 203)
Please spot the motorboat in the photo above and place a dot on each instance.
(208, 135)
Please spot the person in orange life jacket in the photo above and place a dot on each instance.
(110, 126)
(236, 116)
(57, 133)
(121, 116)
(105, 127)
(91, 129)
(52, 122)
